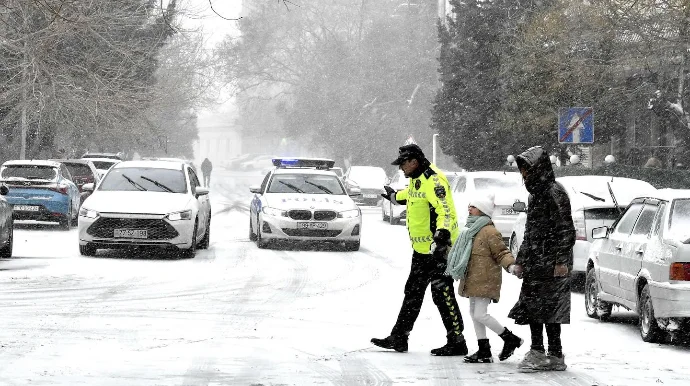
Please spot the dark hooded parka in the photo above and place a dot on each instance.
(548, 241)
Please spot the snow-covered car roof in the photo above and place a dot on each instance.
(669, 194)
(173, 165)
(113, 160)
(34, 162)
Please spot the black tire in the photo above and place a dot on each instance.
(66, 221)
(260, 241)
(206, 240)
(252, 235)
(352, 245)
(87, 250)
(595, 307)
(649, 328)
(6, 251)
(190, 252)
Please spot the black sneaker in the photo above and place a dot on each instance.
(397, 343)
(451, 349)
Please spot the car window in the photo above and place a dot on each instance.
(79, 170)
(65, 172)
(679, 220)
(657, 221)
(29, 172)
(193, 179)
(628, 219)
(104, 165)
(305, 183)
(150, 179)
(644, 222)
(265, 182)
(461, 185)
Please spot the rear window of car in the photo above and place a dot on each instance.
(305, 184)
(79, 170)
(679, 226)
(149, 179)
(103, 164)
(29, 172)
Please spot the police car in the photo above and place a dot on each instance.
(302, 199)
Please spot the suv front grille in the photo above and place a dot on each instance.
(300, 214)
(325, 215)
(105, 227)
(311, 232)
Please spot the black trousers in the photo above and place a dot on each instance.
(425, 270)
(553, 333)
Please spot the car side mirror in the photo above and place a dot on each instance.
(255, 189)
(201, 191)
(600, 232)
(355, 191)
(519, 206)
(87, 187)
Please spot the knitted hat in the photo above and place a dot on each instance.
(484, 202)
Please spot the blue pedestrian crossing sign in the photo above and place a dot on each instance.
(575, 125)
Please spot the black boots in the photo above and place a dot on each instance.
(511, 342)
(483, 355)
(455, 346)
(392, 342)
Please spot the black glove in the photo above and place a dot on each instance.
(441, 241)
(390, 193)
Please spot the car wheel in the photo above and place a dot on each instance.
(649, 328)
(260, 241)
(352, 245)
(66, 221)
(191, 251)
(87, 250)
(206, 240)
(595, 308)
(252, 235)
(6, 251)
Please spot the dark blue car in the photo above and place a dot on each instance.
(41, 190)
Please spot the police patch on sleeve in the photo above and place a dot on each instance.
(440, 191)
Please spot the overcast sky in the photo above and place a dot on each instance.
(211, 16)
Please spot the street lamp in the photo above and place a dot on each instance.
(510, 159)
(433, 149)
(609, 159)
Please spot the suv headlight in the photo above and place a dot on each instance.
(273, 211)
(177, 216)
(84, 212)
(349, 213)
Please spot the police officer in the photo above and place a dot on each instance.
(432, 225)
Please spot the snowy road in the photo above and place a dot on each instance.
(237, 315)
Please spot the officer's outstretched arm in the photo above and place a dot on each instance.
(401, 197)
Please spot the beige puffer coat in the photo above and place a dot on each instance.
(483, 276)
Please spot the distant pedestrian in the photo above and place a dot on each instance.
(206, 168)
(432, 226)
(476, 260)
(544, 262)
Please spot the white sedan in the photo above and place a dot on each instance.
(158, 204)
(303, 203)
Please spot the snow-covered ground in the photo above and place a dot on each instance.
(237, 315)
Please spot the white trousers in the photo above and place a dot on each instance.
(481, 318)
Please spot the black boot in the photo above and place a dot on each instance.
(392, 342)
(511, 342)
(455, 346)
(483, 355)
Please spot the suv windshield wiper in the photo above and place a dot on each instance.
(321, 187)
(131, 181)
(593, 197)
(158, 184)
(291, 186)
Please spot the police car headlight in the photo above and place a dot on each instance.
(84, 212)
(177, 216)
(274, 212)
(349, 213)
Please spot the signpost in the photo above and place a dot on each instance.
(575, 125)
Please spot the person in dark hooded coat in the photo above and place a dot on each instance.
(544, 262)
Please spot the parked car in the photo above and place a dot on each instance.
(103, 165)
(392, 212)
(507, 187)
(83, 172)
(370, 180)
(642, 263)
(41, 190)
(302, 200)
(6, 224)
(146, 204)
(592, 206)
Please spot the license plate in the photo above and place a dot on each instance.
(369, 196)
(312, 225)
(131, 233)
(27, 208)
(509, 211)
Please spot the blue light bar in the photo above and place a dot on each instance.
(318, 163)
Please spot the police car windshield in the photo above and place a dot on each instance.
(306, 184)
